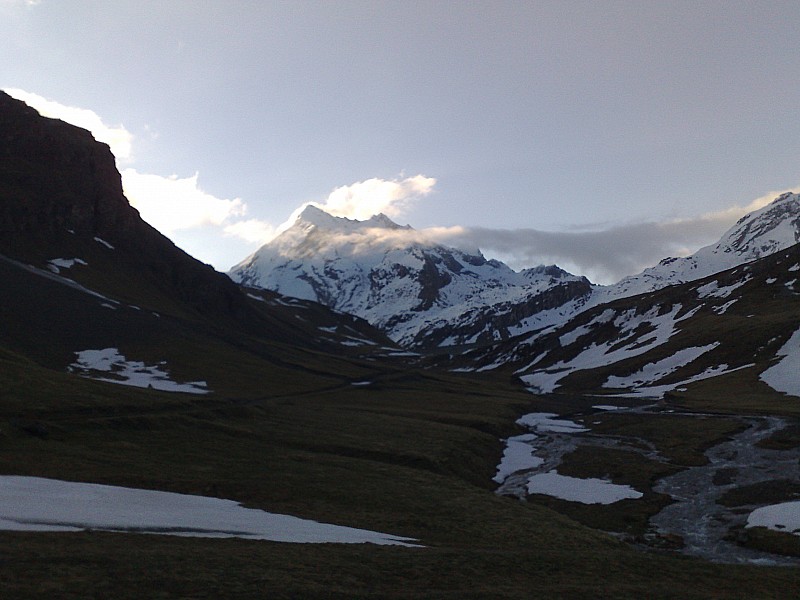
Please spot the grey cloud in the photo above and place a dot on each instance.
(603, 256)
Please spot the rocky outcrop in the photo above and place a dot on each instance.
(57, 180)
(55, 176)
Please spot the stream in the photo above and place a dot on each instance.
(694, 516)
(699, 520)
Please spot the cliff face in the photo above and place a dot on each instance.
(55, 176)
(56, 180)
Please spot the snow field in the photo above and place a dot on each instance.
(779, 517)
(785, 375)
(598, 355)
(38, 504)
(518, 456)
(654, 371)
(585, 491)
(133, 373)
(545, 423)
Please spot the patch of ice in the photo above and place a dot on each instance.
(772, 279)
(794, 268)
(586, 491)
(779, 517)
(90, 363)
(785, 375)
(607, 407)
(518, 456)
(105, 243)
(254, 297)
(38, 504)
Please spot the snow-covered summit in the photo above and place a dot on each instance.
(760, 233)
(313, 216)
(424, 294)
(420, 292)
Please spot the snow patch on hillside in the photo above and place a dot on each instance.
(779, 517)
(91, 363)
(585, 491)
(38, 504)
(57, 264)
(518, 456)
(658, 391)
(597, 355)
(545, 423)
(712, 290)
(785, 375)
(653, 372)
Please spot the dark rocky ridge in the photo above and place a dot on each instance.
(55, 178)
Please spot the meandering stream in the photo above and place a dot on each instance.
(699, 519)
(695, 516)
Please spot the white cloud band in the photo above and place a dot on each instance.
(117, 137)
(364, 199)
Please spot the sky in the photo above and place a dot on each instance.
(600, 136)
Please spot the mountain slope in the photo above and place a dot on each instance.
(424, 295)
(742, 319)
(81, 270)
(284, 426)
(760, 233)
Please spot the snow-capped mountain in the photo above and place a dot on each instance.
(745, 320)
(427, 295)
(421, 293)
(668, 322)
(759, 233)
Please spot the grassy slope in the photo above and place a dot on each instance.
(412, 455)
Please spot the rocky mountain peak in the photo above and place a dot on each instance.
(421, 293)
(314, 216)
(758, 234)
(765, 231)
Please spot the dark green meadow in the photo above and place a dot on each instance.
(411, 455)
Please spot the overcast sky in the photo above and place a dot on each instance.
(599, 135)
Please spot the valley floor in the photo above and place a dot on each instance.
(412, 454)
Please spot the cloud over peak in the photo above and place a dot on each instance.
(606, 255)
(363, 199)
